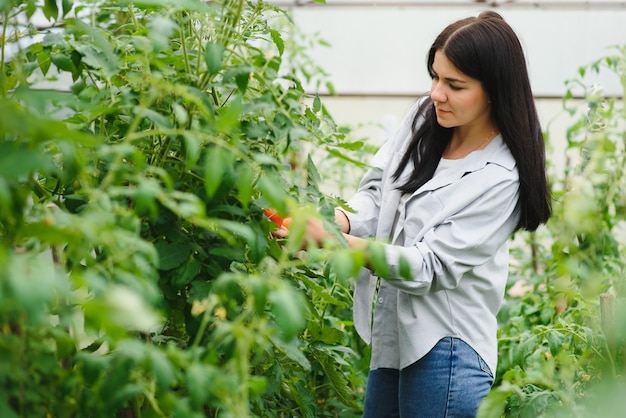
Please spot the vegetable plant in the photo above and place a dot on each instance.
(141, 142)
(562, 341)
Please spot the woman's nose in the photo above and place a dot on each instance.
(436, 93)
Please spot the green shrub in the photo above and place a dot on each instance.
(139, 277)
(562, 343)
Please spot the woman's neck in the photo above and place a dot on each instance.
(464, 142)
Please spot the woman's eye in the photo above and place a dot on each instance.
(453, 87)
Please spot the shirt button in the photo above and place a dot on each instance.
(380, 300)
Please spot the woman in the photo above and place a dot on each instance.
(445, 194)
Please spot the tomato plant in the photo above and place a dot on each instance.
(139, 276)
(562, 340)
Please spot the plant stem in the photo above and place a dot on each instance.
(2, 53)
(164, 151)
(227, 35)
(183, 44)
(133, 17)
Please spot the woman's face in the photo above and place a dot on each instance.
(460, 100)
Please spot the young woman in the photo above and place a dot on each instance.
(444, 195)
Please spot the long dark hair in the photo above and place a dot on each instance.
(487, 49)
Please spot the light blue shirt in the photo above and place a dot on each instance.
(453, 233)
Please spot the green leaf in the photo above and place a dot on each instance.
(161, 28)
(297, 132)
(273, 192)
(555, 342)
(278, 41)
(144, 196)
(404, 269)
(162, 369)
(214, 168)
(180, 113)
(353, 146)
(214, 56)
(184, 204)
(317, 103)
(256, 386)
(313, 177)
(92, 365)
(124, 394)
(327, 335)
(54, 39)
(185, 5)
(242, 79)
(158, 119)
(265, 159)
(337, 379)
(193, 144)
(288, 309)
(62, 62)
(343, 156)
(254, 129)
(259, 290)
(331, 88)
(186, 273)
(30, 285)
(16, 120)
(294, 352)
(18, 162)
(244, 231)
(343, 264)
(525, 348)
(43, 59)
(50, 9)
(5, 410)
(66, 7)
(66, 344)
(495, 402)
(228, 116)
(95, 59)
(172, 254)
(5, 7)
(199, 378)
(109, 60)
(377, 259)
(31, 8)
(245, 183)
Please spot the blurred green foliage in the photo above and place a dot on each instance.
(563, 336)
(140, 141)
(138, 275)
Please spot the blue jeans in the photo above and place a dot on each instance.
(450, 381)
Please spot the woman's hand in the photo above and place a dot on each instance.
(314, 233)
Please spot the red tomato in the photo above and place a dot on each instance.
(274, 216)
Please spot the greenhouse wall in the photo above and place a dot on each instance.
(377, 52)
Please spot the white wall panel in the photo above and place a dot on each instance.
(380, 49)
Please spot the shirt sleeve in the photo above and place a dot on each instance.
(464, 240)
